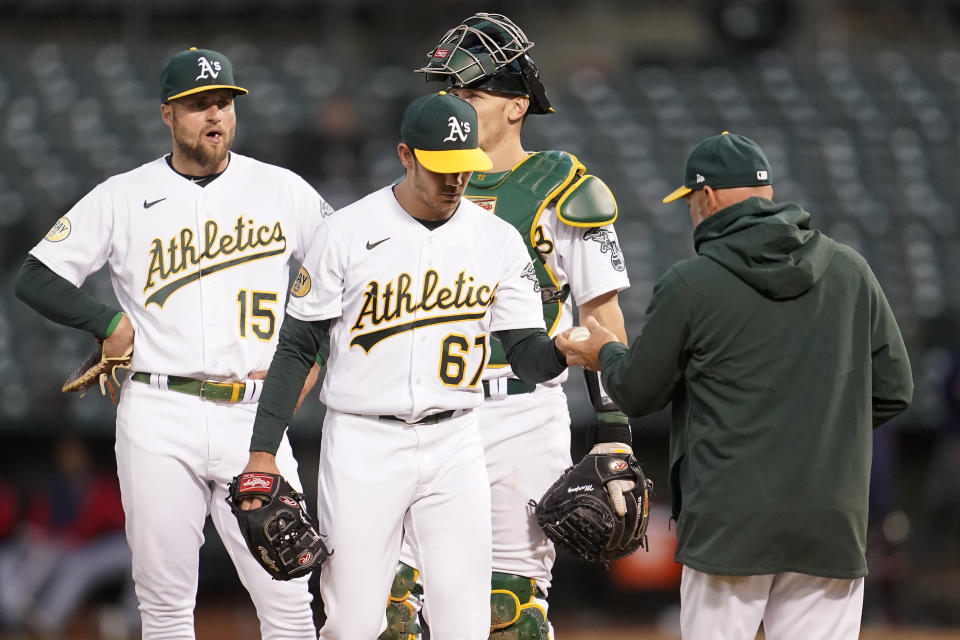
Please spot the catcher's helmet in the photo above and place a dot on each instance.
(488, 51)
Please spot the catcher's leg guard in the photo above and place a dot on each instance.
(514, 612)
(404, 605)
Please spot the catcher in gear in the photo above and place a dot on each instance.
(598, 509)
(275, 525)
(565, 217)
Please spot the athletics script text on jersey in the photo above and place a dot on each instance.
(185, 251)
(393, 300)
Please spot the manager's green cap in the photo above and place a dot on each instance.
(442, 131)
(723, 162)
(196, 70)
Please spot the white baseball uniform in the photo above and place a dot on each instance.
(414, 309)
(202, 273)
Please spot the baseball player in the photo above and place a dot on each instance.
(199, 245)
(409, 289)
(564, 216)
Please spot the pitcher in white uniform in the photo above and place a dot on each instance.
(408, 287)
(199, 244)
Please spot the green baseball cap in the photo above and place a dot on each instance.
(196, 70)
(442, 131)
(723, 162)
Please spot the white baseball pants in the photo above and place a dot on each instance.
(792, 606)
(526, 442)
(175, 455)
(379, 477)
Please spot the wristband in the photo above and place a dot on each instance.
(113, 324)
(609, 431)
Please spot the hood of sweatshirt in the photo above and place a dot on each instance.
(768, 245)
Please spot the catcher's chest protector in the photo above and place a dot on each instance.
(519, 197)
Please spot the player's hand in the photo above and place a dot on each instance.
(259, 462)
(586, 353)
(120, 340)
(257, 375)
(308, 385)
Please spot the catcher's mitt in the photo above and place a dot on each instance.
(578, 514)
(97, 368)
(279, 534)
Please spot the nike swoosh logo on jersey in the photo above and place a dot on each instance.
(371, 245)
(147, 205)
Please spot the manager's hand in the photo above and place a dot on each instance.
(586, 353)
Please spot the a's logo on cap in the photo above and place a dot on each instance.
(206, 67)
(700, 179)
(457, 130)
(761, 175)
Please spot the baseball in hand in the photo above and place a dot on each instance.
(578, 333)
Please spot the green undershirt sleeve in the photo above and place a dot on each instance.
(299, 344)
(56, 299)
(532, 354)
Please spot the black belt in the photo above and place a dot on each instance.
(206, 389)
(514, 387)
(433, 418)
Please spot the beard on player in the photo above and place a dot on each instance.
(199, 150)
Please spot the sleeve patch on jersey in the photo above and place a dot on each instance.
(59, 231)
(608, 244)
(301, 284)
(530, 273)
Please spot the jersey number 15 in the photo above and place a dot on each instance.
(261, 318)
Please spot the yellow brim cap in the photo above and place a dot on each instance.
(454, 160)
(677, 194)
(209, 87)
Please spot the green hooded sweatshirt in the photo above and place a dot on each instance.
(779, 354)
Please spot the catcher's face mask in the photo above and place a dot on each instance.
(488, 52)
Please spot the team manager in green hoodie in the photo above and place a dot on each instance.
(780, 355)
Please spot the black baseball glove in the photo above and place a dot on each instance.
(279, 534)
(598, 508)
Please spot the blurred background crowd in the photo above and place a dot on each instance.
(856, 102)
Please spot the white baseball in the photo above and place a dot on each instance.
(579, 333)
